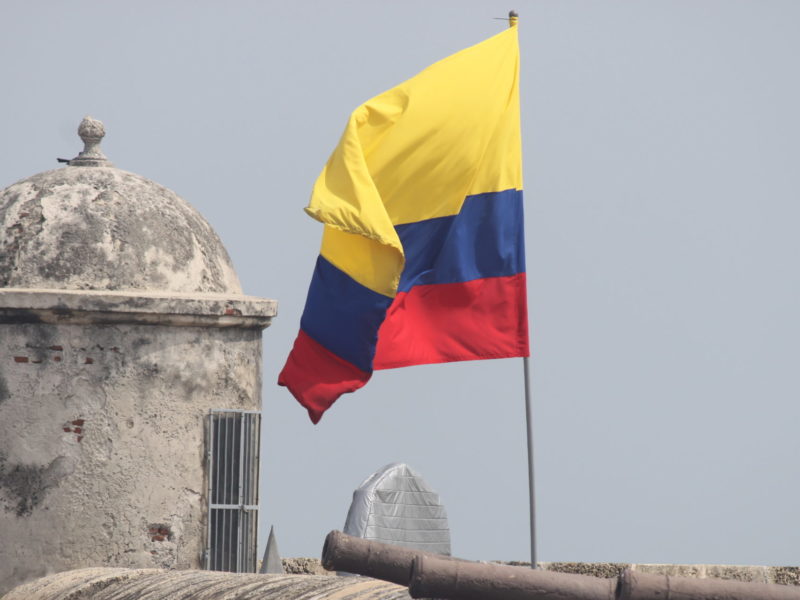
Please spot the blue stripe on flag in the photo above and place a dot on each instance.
(342, 315)
(484, 240)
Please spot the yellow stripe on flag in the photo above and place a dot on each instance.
(416, 152)
(361, 258)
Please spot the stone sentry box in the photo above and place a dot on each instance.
(122, 326)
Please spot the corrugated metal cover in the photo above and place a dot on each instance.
(155, 584)
(395, 506)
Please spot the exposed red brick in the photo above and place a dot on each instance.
(21, 359)
(80, 437)
(57, 358)
(88, 361)
(78, 422)
(67, 429)
(57, 348)
(77, 430)
(157, 538)
(233, 311)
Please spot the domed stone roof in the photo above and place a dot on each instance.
(91, 226)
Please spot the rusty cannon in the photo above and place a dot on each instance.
(436, 576)
(456, 580)
(342, 552)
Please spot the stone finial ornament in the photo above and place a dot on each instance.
(92, 132)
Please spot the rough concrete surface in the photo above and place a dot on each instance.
(102, 439)
(103, 228)
(128, 584)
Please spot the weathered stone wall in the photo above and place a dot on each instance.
(122, 323)
(102, 441)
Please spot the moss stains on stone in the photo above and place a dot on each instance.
(25, 486)
(5, 394)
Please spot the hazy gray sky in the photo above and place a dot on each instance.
(661, 186)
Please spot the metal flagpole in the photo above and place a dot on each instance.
(529, 423)
(513, 19)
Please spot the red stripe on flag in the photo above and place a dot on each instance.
(447, 322)
(317, 377)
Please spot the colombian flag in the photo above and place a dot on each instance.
(422, 257)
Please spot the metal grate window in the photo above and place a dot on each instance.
(234, 438)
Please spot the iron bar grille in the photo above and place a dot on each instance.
(234, 438)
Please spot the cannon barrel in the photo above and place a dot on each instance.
(432, 577)
(342, 552)
(453, 580)
(646, 586)
(436, 576)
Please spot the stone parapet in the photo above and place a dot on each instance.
(756, 574)
(84, 307)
